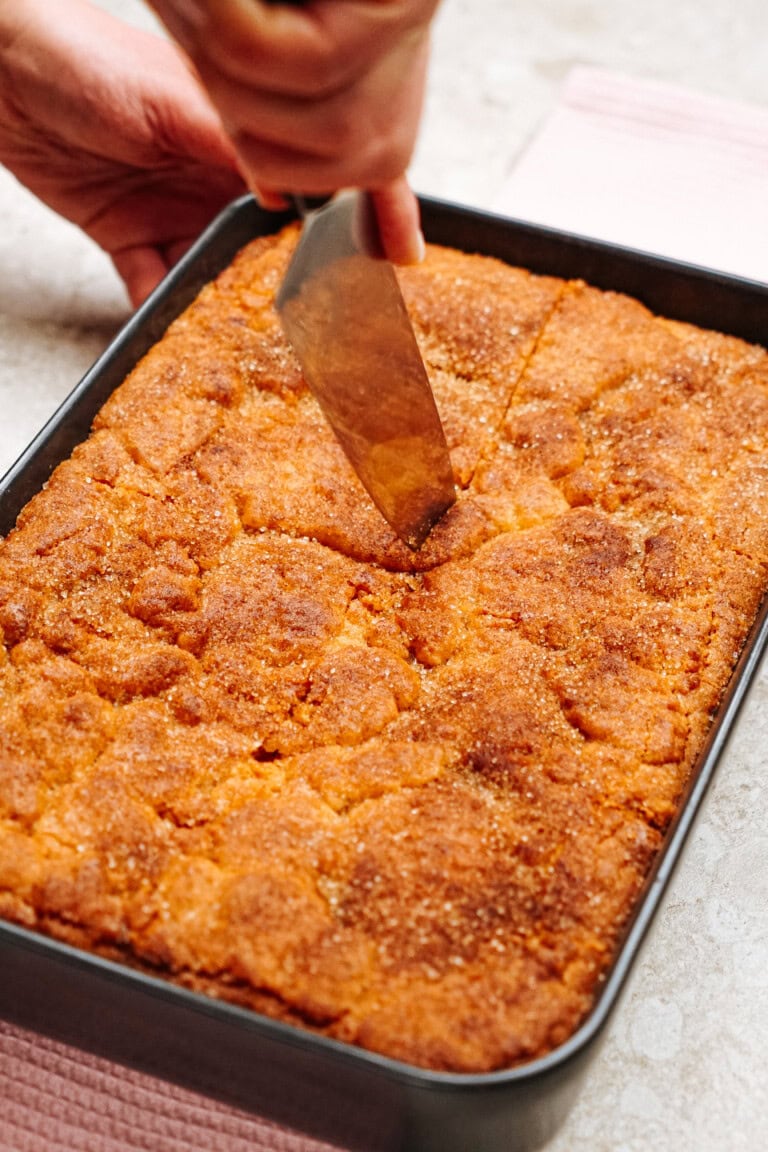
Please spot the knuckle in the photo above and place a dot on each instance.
(323, 74)
(230, 55)
(386, 157)
(347, 131)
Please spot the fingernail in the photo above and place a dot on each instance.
(267, 197)
(415, 251)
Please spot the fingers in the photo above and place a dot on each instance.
(363, 134)
(141, 269)
(307, 49)
(180, 119)
(147, 221)
(269, 198)
(398, 218)
(315, 96)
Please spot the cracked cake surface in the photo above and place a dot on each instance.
(251, 743)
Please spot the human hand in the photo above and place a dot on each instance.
(317, 96)
(110, 128)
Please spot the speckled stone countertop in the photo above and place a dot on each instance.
(684, 1064)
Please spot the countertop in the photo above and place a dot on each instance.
(683, 1066)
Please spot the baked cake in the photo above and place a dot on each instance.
(251, 743)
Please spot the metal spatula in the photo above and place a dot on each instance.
(343, 312)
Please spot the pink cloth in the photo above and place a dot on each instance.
(59, 1099)
(651, 166)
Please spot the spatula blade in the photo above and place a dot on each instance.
(344, 314)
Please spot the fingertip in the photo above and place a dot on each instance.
(418, 250)
(399, 221)
(141, 269)
(268, 198)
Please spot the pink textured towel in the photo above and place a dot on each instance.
(59, 1099)
(651, 166)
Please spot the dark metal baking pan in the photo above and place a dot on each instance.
(352, 1098)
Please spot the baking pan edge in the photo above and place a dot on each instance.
(331, 1090)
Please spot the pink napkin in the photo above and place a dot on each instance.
(59, 1099)
(651, 166)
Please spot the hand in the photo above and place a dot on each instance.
(317, 96)
(110, 128)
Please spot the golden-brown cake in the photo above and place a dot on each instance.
(250, 742)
